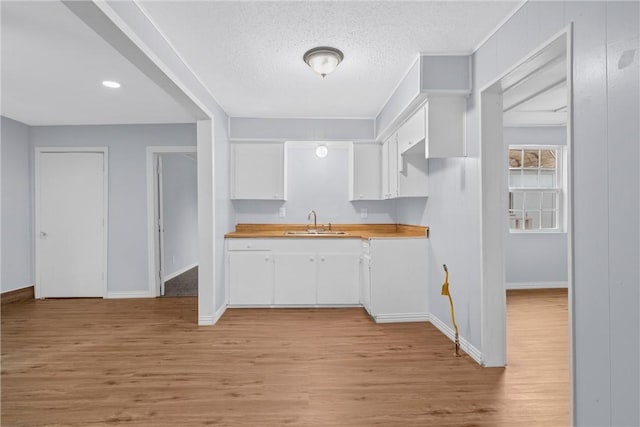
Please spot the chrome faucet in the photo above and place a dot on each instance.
(315, 220)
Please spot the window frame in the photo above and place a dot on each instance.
(559, 189)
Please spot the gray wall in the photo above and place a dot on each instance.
(316, 183)
(302, 129)
(17, 238)
(606, 200)
(179, 211)
(127, 234)
(541, 257)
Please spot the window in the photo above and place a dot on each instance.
(535, 188)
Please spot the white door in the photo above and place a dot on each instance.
(70, 214)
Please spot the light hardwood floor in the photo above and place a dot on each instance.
(146, 363)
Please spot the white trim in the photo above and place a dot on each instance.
(152, 151)
(493, 300)
(18, 289)
(105, 214)
(401, 317)
(176, 273)
(498, 27)
(465, 345)
(212, 320)
(536, 285)
(404, 76)
(129, 294)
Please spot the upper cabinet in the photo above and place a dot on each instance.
(258, 170)
(365, 173)
(436, 129)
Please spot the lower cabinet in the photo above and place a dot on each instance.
(251, 278)
(396, 280)
(295, 279)
(285, 272)
(338, 278)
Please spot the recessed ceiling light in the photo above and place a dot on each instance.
(111, 84)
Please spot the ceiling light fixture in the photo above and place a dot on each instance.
(111, 84)
(323, 60)
(322, 151)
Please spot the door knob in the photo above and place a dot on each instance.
(43, 234)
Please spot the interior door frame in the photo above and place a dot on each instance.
(153, 243)
(493, 221)
(36, 203)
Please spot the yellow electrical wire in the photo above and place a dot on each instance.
(445, 291)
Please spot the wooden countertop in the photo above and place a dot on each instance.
(363, 231)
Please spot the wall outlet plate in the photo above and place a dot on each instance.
(363, 213)
(283, 212)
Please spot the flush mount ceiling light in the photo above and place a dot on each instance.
(323, 60)
(322, 151)
(111, 84)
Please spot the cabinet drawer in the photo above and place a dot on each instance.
(247, 245)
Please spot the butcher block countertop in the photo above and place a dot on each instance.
(364, 231)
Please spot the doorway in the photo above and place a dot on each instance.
(172, 218)
(71, 222)
(534, 93)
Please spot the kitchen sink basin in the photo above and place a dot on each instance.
(316, 233)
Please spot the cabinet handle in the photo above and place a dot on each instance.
(266, 259)
(275, 196)
(248, 245)
(322, 259)
(311, 259)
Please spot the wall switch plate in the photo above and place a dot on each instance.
(283, 212)
(363, 213)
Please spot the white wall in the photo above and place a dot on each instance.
(17, 238)
(127, 234)
(319, 184)
(179, 212)
(606, 200)
(536, 259)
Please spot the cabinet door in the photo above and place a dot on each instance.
(338, 279)
(295, 279)
(446, 134)
(250, 278)
(365, 283)
(393, 168)
(390, 168)
(366, 172)
(258, 170)
(412, 131)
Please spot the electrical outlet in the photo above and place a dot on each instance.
(173, 259)
(363, 213)
(283, 212)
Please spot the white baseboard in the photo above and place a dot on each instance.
(536, 285)
(179, 272)
(18, 288)
(129, 294)
(402, 317)
(212, 319)
(464, 344)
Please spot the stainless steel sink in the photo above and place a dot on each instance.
(316, 233)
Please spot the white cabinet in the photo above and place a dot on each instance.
(437, 129)
(365, 172)
(258, 170)
(251, 277)
(365, 282)
(286, 271)
(338, 278)
(295, 279)
(398, 288)
(445, 124)
(390, 168)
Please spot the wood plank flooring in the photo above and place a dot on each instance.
(146, 363)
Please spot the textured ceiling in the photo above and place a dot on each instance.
(53, 66)
(249, 53)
